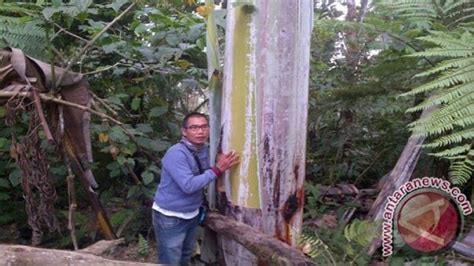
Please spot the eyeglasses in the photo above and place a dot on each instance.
(195, 128)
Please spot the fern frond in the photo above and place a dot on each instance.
(454, 8)
(443, 52)
(453, 93)
(445, 119)
(458, 150)
(451, 114)
(448, 64)
(467, 27)
(26, 35)
(445, 40)
(22, 9)
(461, 171)
(428, 12)
(360, 231)
(460, 122)
(449, 79)
(450, 95)
(456, 105)
(317, 248)
(464, 17)
(453, 138)
(406, 8)
(143, 246)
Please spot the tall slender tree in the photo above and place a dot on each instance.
(264, 116)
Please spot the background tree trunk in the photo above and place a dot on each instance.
(264, 117)
(400, 174)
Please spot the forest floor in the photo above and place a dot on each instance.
(18, 234)
(132, 252)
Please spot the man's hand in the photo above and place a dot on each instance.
(226, 160)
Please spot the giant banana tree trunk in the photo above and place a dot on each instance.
(264, 117)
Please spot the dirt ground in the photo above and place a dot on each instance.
(131, 253)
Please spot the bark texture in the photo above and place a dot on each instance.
(264, 117)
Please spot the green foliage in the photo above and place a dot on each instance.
(356, 122)
(442, 43)
(83, 228)
(340, 150)
(146, 71)
(120, 217)
(452, 87)
(361, 232)
(143, 246)
(317, 249)
(401, 259)
(428, 14)
(20, 27)
(11, 212)
(313, 206)
(329, 240)
(149, 69)
(343, 245)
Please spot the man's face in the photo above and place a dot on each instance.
(197, 130)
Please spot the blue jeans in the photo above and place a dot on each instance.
(175, 238)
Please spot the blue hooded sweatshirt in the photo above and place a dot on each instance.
(181, 185)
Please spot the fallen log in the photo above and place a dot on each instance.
(265, 247)
(341, 194)
(102, 246)
(30, 256)
(346, 190)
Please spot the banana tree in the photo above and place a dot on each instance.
(264, 116)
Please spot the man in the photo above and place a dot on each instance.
(184, 174)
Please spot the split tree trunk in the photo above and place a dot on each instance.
(209, 243)
(400, 174)
(264, 116)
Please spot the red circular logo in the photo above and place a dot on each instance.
(428, 220)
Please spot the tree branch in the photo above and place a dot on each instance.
(84, 49)
(103, 103)
(72, 207)
(47, 98)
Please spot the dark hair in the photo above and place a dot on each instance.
(193, 114)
